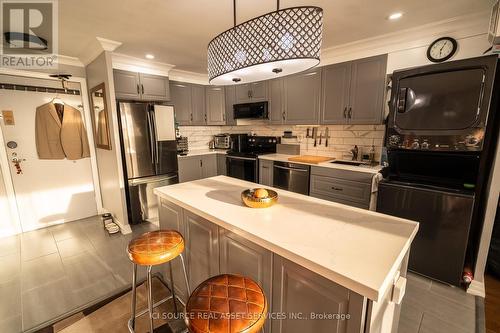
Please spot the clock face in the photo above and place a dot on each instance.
(442, 49)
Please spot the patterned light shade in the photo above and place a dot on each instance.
(279, 43)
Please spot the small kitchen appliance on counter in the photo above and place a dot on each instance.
(222, 141)
(182, 146)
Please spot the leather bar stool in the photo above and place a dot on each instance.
(151, 249)
(226, 304)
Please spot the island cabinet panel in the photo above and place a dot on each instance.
(240, 256)
(202, 248)
(172, 218)
(266, 172)
(301, 293)
(221, 165)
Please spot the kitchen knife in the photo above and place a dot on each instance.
(320, 137)
(315, 135)
(326, 137)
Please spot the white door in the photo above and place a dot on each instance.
(47, 191)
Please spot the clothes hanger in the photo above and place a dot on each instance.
(63, 78)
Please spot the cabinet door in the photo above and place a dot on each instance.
(258, 91)
(230, 96)
(335, 93)
(171, 218)
(221, 165)
(181, 99)
(276, 102)
(243, 93)
(202, 242)
(302, 98)
(198, 104)
(154, 87)
(190, 168)
(240, 256)
(298, 291)
(266, 172)
(209, 165)
(216, 106)
(126, 85)
(367, 90)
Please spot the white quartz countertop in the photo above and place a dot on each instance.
(356, 248)
(362, 168)
(198, 152)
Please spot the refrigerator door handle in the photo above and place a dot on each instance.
(151, 138)
(155, 134)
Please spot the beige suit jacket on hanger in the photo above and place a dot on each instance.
(56, 140)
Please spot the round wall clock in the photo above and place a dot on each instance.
(442, 49)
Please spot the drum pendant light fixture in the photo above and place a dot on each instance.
(276, 44)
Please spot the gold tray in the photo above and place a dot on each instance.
(253, 202)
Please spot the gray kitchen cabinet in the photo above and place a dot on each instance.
(216, 105)
(336, 80)
(197, 167)
(154, 87)
(181, 99)
(230, 97)
(276, 102)
(202, 248)
(300, 292)
(221, 165)
(266, 172)
(346, 187)
(367, 90)
(140, 86)
(251, 92)
(198, 105)
(240, 256)
(172, 218)
(353, 92)
(302, 94)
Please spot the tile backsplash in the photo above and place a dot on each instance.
(342, 137)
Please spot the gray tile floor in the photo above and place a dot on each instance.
(47, 273)
(51, 272)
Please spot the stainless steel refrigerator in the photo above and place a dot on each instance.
(149, 151)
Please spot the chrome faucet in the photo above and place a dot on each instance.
(355, 152)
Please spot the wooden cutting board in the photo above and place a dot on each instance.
(313, 159)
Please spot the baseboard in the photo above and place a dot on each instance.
(476, 288)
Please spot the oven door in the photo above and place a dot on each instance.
(244, 168)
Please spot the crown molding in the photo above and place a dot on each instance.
(96, 47)
(129, 63)
(70, 61)
(458, 27)
(108, 44)
(187, 76)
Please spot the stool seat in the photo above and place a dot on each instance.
(155, 247)
(226, 304)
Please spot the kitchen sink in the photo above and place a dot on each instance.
(354, 163)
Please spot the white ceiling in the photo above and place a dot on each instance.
(178, 31)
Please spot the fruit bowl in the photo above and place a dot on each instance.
(259, 197)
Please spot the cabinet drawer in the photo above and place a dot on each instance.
(341, 190)
(362, 177)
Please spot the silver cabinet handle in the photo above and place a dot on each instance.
(337, 188)
(191, 116)
(350, 112)
(283, 115)
(142, 88)
(265, 167)
(345, 112)
(241, 158)
(291, 169)
(138, 91)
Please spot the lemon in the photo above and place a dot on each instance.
(260, 193)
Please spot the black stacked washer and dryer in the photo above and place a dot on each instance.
(441, 133)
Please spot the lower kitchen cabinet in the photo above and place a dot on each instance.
(240, 256)
(221, 165)
(202, 248)
(300, 293)
(197, 167)
(342, 186)
(266, 172)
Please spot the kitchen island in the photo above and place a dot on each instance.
(325, 267)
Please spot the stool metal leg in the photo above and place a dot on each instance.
(172, 285)
(134, 298)
(150, 300)
(185, 274)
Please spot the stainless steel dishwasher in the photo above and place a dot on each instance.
(291, 177)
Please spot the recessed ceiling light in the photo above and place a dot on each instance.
(395, 16)
(150, 56)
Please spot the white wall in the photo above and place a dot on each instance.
(109, 162)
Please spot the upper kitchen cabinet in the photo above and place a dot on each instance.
(276, 102)
(139, 86)
(230, 97)
(216, 105)
(302, 98)
(181, 99)
(251, 92)
(198, 105)
(353, 92)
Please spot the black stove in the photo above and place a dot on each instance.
(242, 158)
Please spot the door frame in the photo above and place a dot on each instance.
(4, 159)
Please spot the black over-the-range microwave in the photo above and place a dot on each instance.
(257, 110)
